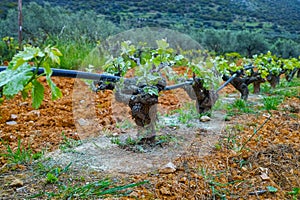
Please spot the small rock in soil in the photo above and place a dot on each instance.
(264, 177)
(227, 119)
(11, 123)
(244, 169)
(17, 183)
(24, 104)
(13, 116)
(205, 119)
(83, 122)
(35, 112)
(168, 168)
(165, 191)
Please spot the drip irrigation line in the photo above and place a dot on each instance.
(247, 67)
(179, 85)
(110, 78)
(76, 74)
(227, 82)
(237, 73)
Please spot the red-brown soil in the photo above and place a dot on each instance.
(270, 158)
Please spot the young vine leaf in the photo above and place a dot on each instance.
(21, 77)
(37, 93)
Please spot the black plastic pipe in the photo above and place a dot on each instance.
(110, 78)
(246, 67)
(76, 74)
(226, 83)
(179, 85)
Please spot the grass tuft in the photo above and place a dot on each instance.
(21, 155)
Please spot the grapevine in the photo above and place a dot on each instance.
(21, 77)
(153, 69)
(259, 69)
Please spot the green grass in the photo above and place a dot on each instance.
(239, 106)
(284, 88)
(66, 186)
(188, 113)
(166, 139)
(74, 52)
(217, 188)
(141, 146)
(295, 193)
(125, 124)
(230, 141)
(22, 155)
(293, 83)
(129, 141)
(98, 189)
(272, 102)
(97, 57)
(68, 144)
(219, 105)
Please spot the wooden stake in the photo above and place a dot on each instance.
(20, 23)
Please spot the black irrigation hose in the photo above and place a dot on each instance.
(110, 78)
(227, 82)
(235, 74)
(179, 85)
(76, 74)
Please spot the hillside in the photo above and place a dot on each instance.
(275, 17)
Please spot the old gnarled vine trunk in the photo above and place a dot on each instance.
(143, 108)
(256, 85)
(289, 76)
(241, 84)
(273, 80)
(205, 99)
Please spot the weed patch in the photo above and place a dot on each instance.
(22, 155)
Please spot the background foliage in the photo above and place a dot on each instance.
(273, 16)
(76, 27)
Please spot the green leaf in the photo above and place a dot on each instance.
(10, 75)
(47, 69)
(162, 44)
(272, 189)
(37, 94)
(16, 62)
(179, 57)
(55, 91)
(127, 48)
(31, 52)
(156, 61)
(295, 191)
(15, 80)
(56, 51)
(151, 90)
(26, 55)
(51, 178)
(53, 54)
(25, 91)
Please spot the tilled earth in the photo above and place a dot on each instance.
(253, 153)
